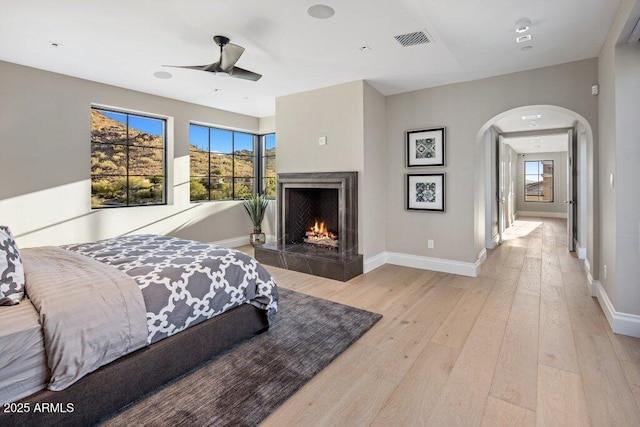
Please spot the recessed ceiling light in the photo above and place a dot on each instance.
(217, 89)
(522, 25)
(321, 11)
(527, 47)
(531, 117)
(246, 98)
(162, 75)
(524, 38)
(365, 48)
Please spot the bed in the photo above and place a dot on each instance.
(103, 323)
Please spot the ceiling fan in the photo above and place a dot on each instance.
(229, 55)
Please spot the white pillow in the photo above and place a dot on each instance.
(11, 271)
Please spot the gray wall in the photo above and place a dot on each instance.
(45, 163)
(559, 184)
(375, 172)
(619, 67)
(464, 109)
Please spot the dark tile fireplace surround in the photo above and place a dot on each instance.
(303, 198)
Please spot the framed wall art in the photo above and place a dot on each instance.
(425, 147)
(425, 192)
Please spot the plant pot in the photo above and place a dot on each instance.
(257, 239)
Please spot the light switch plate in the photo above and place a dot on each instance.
(322, 140)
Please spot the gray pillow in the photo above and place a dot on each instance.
(11, 271)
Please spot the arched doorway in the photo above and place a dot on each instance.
(517, 122)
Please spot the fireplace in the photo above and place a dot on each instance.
(317, 225)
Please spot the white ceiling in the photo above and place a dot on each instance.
(124, 42)
(538, 143)
(536, 130)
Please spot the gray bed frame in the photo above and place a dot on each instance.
(123, 381)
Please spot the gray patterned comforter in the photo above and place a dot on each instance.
(185, 282)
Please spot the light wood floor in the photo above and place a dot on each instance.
(523, 344)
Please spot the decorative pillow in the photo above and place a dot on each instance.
(11, 271)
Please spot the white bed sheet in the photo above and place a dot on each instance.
(23, 361)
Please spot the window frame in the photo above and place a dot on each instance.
(263, 164)
(258, 159)
(541, 174)
(128, 113)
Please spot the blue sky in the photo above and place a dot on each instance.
(222, 141)
(143, 124)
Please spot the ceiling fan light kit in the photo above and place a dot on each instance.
(225, 65)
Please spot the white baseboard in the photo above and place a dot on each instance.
(591, 282)
(621, 323)
(375, 261)
(236, 242)
(542, 214)
(493, 242)
(580, 251)
(435, 264)
(482, 256)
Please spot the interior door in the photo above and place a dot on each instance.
(571, 182)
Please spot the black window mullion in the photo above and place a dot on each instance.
(128, 159)
(233, 165)
(209, 167)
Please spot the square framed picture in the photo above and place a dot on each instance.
(425, 192)
(425, 147)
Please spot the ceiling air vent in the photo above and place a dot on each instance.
(412, 39)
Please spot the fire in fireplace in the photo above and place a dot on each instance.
(320, 236)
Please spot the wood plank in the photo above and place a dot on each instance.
(529, 282)
(608, 395)
(412, 401)
(627, 348)
(517, 368)
(413, 335)
(464, 396)
(501, 413)
(516, 257)
(534, 247)
(498, 304)
(556, 345)
(456, 327)
(561, 400)
(632, 372)
(354, 406)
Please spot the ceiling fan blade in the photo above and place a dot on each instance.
(191, 67)
(241, 73)
(229, 55)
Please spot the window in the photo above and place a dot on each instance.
(127, 159)
(538, 181)
(269, 165)
(223, 163)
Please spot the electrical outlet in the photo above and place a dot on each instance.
(430, 244)
(604, 273)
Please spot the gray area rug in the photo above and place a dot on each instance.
(242, 386)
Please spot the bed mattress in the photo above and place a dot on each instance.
(23, 363)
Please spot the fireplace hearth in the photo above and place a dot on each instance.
(317, 225)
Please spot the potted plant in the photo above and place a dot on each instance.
(256, 206)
